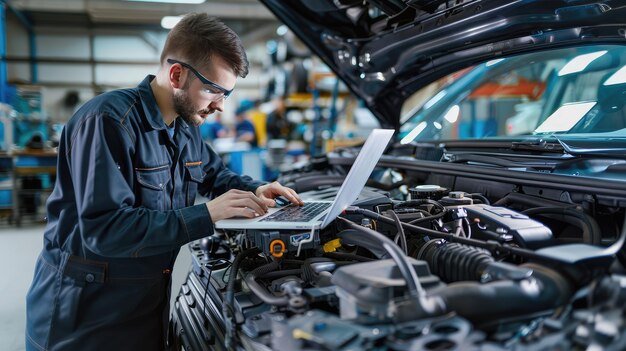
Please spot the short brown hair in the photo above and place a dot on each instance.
(198, 36)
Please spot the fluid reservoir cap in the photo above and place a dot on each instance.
(456, 198)
(456, 194)
(277, 248)
(427, 187)
(427, 191)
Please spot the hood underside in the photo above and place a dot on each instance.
(386, 50)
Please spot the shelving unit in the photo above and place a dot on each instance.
(321, 97)
(26, 180)
(39, 167)
(6, 186)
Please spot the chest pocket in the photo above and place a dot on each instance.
(193, 177)
(153, 183)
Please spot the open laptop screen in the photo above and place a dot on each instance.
(360, 171)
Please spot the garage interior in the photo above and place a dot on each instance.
(57, 54)
(487, 212)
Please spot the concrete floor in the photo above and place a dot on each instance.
(19, 248)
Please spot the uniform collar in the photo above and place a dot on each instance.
(151, 108)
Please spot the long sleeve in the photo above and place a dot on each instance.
(219, 178)
(100, 159)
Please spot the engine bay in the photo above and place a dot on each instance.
(421, 261)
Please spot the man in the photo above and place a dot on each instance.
(213, 130)
(244, 129)
(278, 127)
(130, 164)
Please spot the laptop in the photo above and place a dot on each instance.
(319, 214)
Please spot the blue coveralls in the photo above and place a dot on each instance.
(121, 208)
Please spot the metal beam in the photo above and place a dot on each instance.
(77, 61)
(115, 11)
(31, 39)
(3, 50)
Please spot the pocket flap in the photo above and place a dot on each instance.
(153, 178)
(194, 172)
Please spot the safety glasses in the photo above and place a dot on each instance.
(212, 88)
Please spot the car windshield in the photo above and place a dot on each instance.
(574, 92)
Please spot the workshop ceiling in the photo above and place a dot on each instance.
(244, 16)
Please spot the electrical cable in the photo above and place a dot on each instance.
(230, 264)
(493, 247)
(406, 269)
(209, 265)
(401, 232)
(480, 197)
(259, 290)
(430, 305)
(468, 232)
(590, 230)
(442, 210)
(228, 307)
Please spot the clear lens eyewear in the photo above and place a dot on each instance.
(211, 88)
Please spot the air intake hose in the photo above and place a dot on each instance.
(506, 290)
(453, 262)
(544, 290)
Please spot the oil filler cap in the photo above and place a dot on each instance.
(277, 248)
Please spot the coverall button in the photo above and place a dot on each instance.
(89, 278)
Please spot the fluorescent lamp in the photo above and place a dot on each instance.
(453, 114)
(168, 22)
(565, 117)
(437, 125)
(414, 133)
(580, 62)
(196, 2)
(618, 77)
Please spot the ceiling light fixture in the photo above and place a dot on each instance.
(168, 22)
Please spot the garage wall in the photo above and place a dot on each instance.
(89, 61)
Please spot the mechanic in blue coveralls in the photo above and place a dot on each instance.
(130, 164)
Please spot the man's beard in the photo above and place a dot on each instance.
(185, 108)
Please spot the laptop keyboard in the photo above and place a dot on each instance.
(293, 213)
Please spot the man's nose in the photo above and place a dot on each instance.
(217, 105)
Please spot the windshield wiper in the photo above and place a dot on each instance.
(561, 146)
(577, 151)
(537, 145)
(490, 161)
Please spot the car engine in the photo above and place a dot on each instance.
(421, 261)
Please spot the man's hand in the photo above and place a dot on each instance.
(268, 192)
(236, 203)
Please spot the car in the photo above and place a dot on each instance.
(495, 220)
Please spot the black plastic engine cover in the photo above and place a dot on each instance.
(378, 282)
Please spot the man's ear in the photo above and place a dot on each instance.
(176, 76)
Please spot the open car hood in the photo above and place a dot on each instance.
(386, 50)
